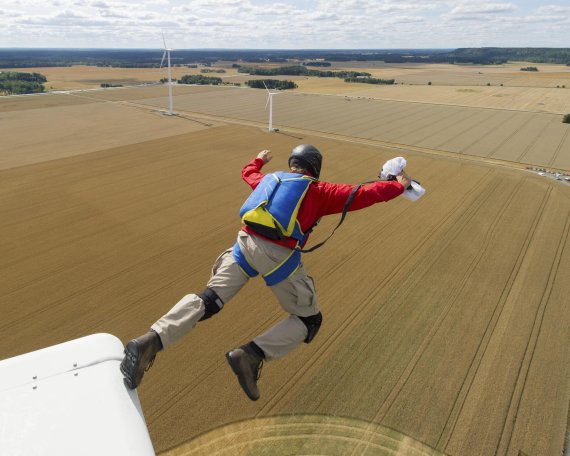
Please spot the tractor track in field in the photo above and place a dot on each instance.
(449, 139)
(423, 302)
(453, 296)
(476, 140)
(508, 138)
(430, 124)
(79, 238)
(558, 148)
(102, 196)
(529, 146)
(451, 300)
(354, 319)
(452, 420)
(196, 115)
(456, 217)
(395, 147)
(504, 444)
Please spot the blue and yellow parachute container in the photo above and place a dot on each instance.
(272, 208)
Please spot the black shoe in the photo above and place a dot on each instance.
(246, 364)
(139, 356)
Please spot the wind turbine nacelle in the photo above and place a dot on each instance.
(70, 399)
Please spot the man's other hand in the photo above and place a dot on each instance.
(404, 179)
(265, 155)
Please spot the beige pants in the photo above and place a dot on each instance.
(296, 295)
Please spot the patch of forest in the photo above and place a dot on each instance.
(16, 83)
(151, 58)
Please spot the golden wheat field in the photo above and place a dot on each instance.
(517, 137)
(445, 320)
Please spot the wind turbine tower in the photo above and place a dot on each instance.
(270, 103)
(167, 55)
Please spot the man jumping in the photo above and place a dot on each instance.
(278, 216)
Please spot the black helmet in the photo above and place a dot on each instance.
(307, 157)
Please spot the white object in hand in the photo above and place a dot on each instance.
(393, 167)
(415, 192)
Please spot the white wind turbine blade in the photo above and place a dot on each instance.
(268, 94)
(166, 55)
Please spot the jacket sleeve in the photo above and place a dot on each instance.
(333, 197)
(251, 173)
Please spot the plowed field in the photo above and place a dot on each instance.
(445, 321)
(514, 136)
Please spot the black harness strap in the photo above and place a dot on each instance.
(342, 217)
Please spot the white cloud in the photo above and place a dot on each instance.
(405, 20)
(322, 16)
(283, 24)
(365, 7)
(112, 14)
(277, 9)
(479, 11)
(216, 5)
(485, 8)
(554, 10)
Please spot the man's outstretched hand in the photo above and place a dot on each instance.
(265, 155)
(404, 179)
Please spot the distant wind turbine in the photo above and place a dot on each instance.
(167, 54)
(270, 103)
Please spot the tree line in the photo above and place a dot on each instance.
(200, 79)
(141, 58)
(298, 70)
(317, 64)
(371, 80)
(534, 55)
(15, 83)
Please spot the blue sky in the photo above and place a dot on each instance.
(297, 24)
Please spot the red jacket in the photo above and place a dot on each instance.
(324, 198)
